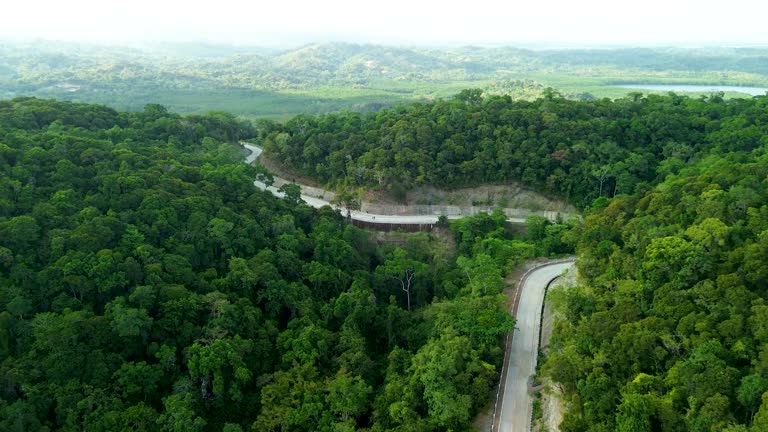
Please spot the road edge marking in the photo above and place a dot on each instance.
(496, 423)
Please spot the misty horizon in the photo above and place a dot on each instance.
(592, 23)
(296, 41)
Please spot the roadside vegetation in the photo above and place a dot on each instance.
(667, 330)
(584, 151)
(146, 284)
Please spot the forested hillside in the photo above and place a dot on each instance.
(669, 331)
(147, 285)
(581, 150)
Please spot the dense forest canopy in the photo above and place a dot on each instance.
(668, 331)
(582, 150)
(147, 285)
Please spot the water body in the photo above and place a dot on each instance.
(752, 91)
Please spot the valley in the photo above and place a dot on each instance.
(277, 83)
(380, 261)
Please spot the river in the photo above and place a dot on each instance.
(752, 91)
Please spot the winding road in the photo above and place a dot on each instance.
(514, 404)
(357, 215)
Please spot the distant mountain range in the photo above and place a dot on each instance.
(128, 76)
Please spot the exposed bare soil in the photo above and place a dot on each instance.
(510, 195)
(288, 173)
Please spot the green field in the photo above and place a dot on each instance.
(331, 77)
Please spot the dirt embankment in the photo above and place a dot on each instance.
(280, 170)
(510, 195)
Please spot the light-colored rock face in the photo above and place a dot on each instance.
(392, 214)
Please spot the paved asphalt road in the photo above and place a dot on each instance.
(516, 408)
(356, 215)
(255, 153)
(517, 404)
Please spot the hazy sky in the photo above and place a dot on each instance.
(391, 21)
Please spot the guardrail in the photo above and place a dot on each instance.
(514, 215)
(495, 424)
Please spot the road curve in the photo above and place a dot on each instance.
(356, 215)
(515, 404)
(254, 154)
